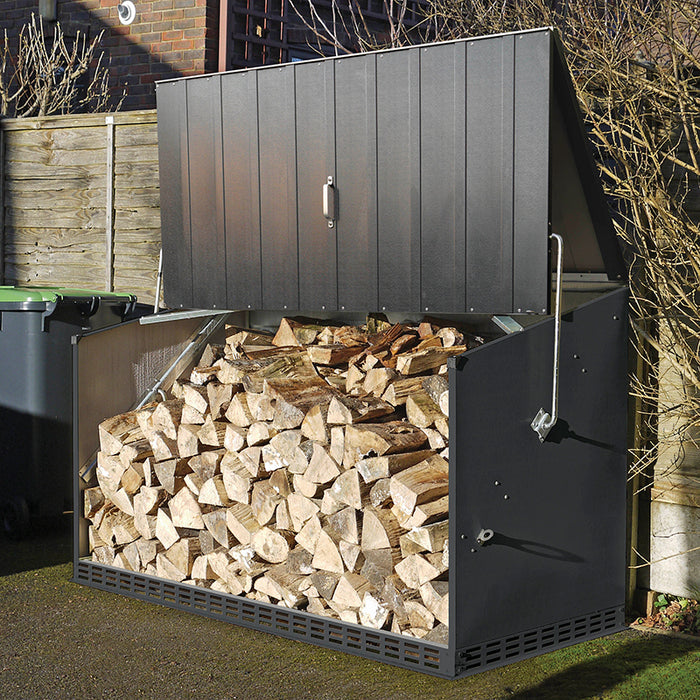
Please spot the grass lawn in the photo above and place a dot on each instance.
(61, 640)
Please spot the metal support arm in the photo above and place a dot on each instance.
(543, 422)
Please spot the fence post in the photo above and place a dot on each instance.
(109, 218)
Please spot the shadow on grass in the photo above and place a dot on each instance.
(47, 543)
(591, 679)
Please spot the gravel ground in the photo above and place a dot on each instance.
(62, 640)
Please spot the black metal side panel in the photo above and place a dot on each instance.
(315, 123)
(531, 271)
(175, 194)
(443, 177)
(489, 126)
(557, 509)
(356, 174)
(398, 179)
(278, 188)
(207, 192)
(239, 97)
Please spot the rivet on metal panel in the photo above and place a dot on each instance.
(584, 370)
(544, 311)
(520, 311)
(472, 550)
(471, 308)
(248, 305)
(383, 308)
(285, 306)
(616, 318)
(342, 308)
(323, 307)
(426, 308)
(576, 356)
(463, 536)
(506, 497)
(496, 483)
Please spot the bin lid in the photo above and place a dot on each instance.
(20, 295)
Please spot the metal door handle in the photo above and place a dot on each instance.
(329, 202)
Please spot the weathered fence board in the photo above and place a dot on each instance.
(80, 202)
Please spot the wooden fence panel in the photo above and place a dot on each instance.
(80, 202)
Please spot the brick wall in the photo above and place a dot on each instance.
(168, 38)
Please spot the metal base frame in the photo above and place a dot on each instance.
(397, 650)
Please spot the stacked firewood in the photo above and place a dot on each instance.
(306, 468)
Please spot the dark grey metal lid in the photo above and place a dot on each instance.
(425, 178)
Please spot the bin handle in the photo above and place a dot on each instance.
(543, 422)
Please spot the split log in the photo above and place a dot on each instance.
(309, 535)
(212, 432)
(373, 468)
(419, 484)
(421, 410)
(263, 501)
(241, 521)
(215, 523)
(322, 469)
(136, 451)
(437, 387)
(237, 479)
(399, 390)
(206, 464)
(380, 530)
(187, 440)
(424, 513)
(344, 409)
(435, 597)
(170, 474)
(234, 438)
(376, 439)
(296, 332)
(416, 570)
(350, 590)
(165, 530)
(326, 555)
(196, 397)
(331, 355)
(148, 499)
(373, 613)
(271, 545)
(343, 525)
(431, 538)
(300, 510)
(427, 359)
(118, 431)
(213, 492)
(185, 510)
(218, 397)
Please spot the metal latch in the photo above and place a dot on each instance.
(329, 202)
(543, 422)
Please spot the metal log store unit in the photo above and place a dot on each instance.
(428, 181)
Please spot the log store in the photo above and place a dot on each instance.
(398, 425)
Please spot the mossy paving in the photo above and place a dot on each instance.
(63, 640)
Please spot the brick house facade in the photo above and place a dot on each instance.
(168, 38)
(174, 38)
